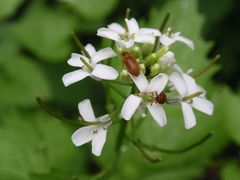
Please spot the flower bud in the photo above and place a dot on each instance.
(124, 76)
(136, 51)
(161, 51)
(147, 49)
(142, 68)
(151, 59)
(167, 61)
(154, 69)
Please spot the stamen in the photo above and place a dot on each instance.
(80, 45)
(128, 10)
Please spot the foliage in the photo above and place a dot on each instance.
(35, 44)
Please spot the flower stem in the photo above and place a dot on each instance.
(162, 27)
(144, 154)
(53, 113)
(206, 68)
(80, 45)
(196, 144)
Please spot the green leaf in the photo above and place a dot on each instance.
(94, 9)
(35, 143)
(230, 171)
(7, 8)
(21, 80)
(45, 32)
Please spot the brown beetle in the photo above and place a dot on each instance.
(161, 98)
(131, 63)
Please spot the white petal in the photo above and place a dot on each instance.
(130, 106)
(184, 40)
(155, 32)
(191, 84)
(103, 54)
(158, 113)
(108, 33)
(75, 60)
(145, 38)
(203, 105)
(117, 27)
(178, 68)
(140, 81)
(90, 49)
(74, 76)
(166, 41)
(98, 141)
(104, 72)
(86, 111)
(178, 82)
(188, 115)
(132, 26)
(158, 83)
(83, 135)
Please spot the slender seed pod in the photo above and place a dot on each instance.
(161, 98)
(131, 63)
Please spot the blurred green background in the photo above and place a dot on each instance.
(34, 46)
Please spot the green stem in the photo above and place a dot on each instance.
(144, 154)
(162, 27)
(80, 45)
(206, 68)
(53, 113)
(186, 98)
(200, 142)
(121, 136)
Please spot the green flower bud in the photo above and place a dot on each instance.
(147, 49)
(136, 51)
(142, 68)
(154, 70)
(151, 59)
(124, 76)
(161, 51)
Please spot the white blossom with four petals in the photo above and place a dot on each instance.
(97, 71)
(96, 133)
(132, 103)
(126, 38)
(169, 38)
(186, 85)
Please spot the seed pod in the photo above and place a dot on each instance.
(161, 98)
(131, 63)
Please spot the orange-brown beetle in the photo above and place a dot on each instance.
(131, 63)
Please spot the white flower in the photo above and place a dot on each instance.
(185, 85)
(93, 69)
(126, 38)
(147, 91)
(96, 133)
(168, 39)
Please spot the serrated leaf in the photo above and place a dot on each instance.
(45, 31)
(91, 10)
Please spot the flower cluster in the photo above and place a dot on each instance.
(150, 66)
